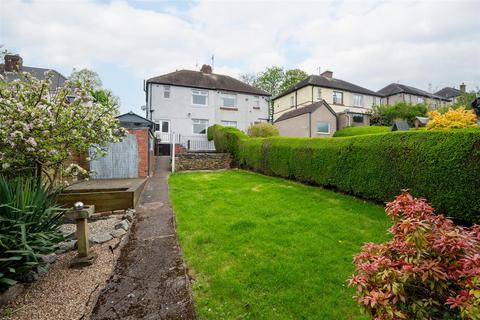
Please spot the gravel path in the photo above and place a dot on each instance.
(64, 293)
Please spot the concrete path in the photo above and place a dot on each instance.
(150, 280)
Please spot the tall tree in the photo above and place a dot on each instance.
(270, 80)
(83, 76)
(248, 78)
(292, 77)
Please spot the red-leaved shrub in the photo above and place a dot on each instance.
(429, 270)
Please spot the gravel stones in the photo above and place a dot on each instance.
(122, 225)
(101, 237)
(118, 233)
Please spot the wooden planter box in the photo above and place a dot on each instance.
(106, 195)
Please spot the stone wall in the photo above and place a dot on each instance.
(203, 161)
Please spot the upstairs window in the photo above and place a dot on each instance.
(200, 97)
(337, 97)
(256, 102)
(229, 123)
(318, 94)
(420, 100)
(166, 92)
(200, 126)
(229, 100)
(358, 100)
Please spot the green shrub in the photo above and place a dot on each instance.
(29, 221)
(385, 115)
(442, 166)
(211, 130)
(227, 139)
(262, 130)
(361, 130)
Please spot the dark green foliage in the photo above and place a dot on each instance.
(29, 221)
(441, 166)
(227, 139)
(361, 130)
(385, 115)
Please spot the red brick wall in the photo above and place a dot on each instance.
(142, 142)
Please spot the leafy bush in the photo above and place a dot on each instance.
(29, 221)
(452, 119)
(442, 166)
(262, 130)
(385, 115)
(361, 130)
(429, 270)
(211, 130)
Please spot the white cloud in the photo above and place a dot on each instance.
(370, 43)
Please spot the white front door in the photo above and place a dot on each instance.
(164, 131)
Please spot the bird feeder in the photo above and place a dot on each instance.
(80, 213)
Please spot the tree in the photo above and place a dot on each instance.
(248, 78)
(291, 78)
(82, 76)
(270, 80)
(465, 99)
(40, 130)
(384, 115)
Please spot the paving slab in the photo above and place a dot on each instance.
(150, 280)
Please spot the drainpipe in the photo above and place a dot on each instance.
(309, 124)
(312, 94)
(296, 101)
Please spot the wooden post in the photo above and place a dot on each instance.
(82, 237)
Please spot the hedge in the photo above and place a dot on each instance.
(441, 166)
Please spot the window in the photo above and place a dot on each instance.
(292, 101)
(358, 118)
(200, 97)
(200, 126)
(358, 100)
(318, 94)
(323, 127)
(337, 97)
(256, 102)
(229, 100)
(70, 98)
(166, 92)
(420, 100)
(229, 123)
(165, 126)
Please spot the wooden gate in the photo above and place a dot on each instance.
(121, 160)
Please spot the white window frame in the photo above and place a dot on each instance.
(329, 127)
(358, 97)
(160, 125)
(333, 97)
(198, 92)
(227, 123)
(229, 95)
(199, 121)
(167, 90)
(256, 102)
(318, 93)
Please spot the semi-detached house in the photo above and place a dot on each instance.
(187, 102)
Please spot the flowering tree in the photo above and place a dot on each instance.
(41, 129)
(429, 270)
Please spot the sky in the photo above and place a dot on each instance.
(426, 44)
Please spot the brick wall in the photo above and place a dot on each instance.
(142, 142)
(202, 161)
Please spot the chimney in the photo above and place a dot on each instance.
(328, 74)
(463, 87)
(206, 69)
(13, 63)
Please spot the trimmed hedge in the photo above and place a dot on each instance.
(441, 166)
(361, 130)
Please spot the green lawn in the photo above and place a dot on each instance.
(266, 248)
(361, 130)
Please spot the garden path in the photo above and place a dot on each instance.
(150, 279)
